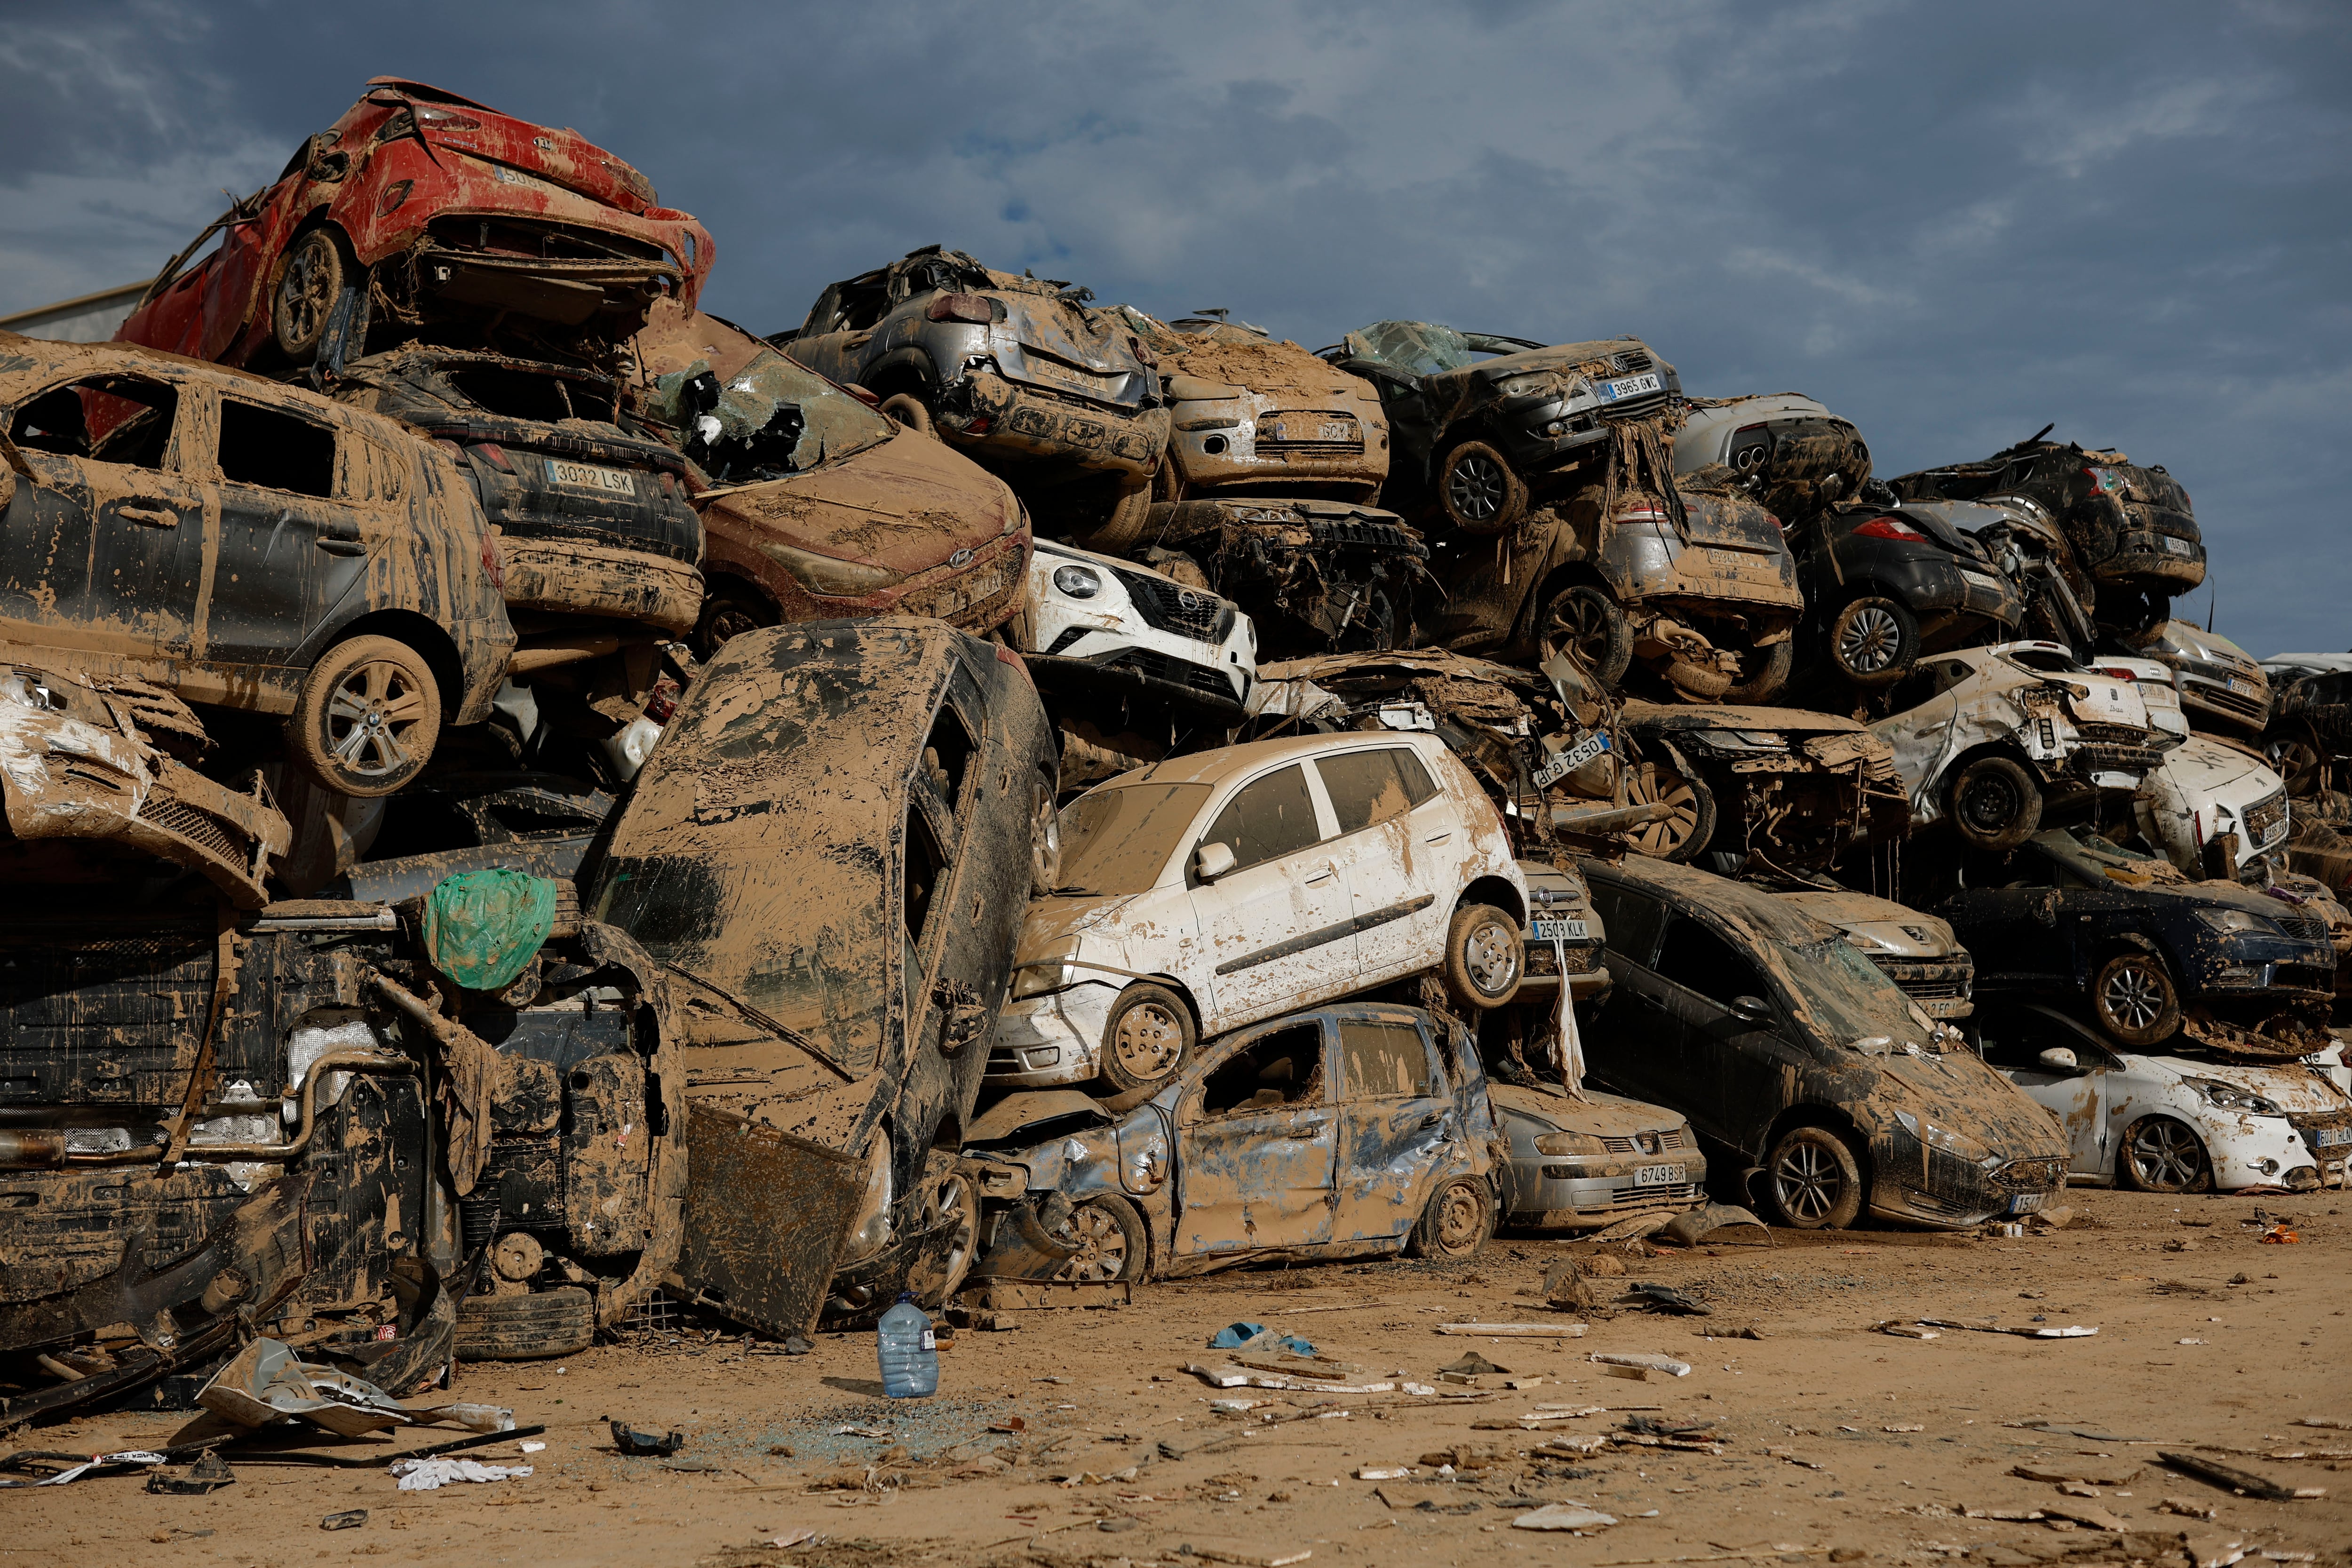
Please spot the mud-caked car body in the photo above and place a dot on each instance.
(2211, 808)
(2173, 1123)
(421, 209)
(1565, 937)
(1018, 372)
(1788, 784)
(1207, 893)
(1790, 451)
(1346, 1132)
(249, 546)
(816, 506)
(1315, 576)
(1796, 1060)
(2222, 688)
(1994, 739)
(2310, 727)
(1581, 1161)
(831, 852)
(1916, 951)
(1886, 582)
(1100, 630)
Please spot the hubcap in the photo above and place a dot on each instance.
(2165, 1154)
(1457, 1218)
(1649, 786)
(2133, 998)
(1477, 486)
(1870, 640)
(1491, 954)
(369, 718)
(1102, 1247)
(1148, 1042)
(1807, 1181)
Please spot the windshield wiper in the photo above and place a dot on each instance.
(1072, 889)
(783, 1032)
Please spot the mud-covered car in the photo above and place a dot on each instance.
(2173, 1123)
(2130, 527)
(1916, 951)
(1801, 1064)
(831, 852)
(1315, 576)
(419, 209)
(1995, 739)
(1479, 439)
(1564, 936)
(1886, 581)
(1102, 630)
(1348, 1132)
(1790, 452)
(2221, 688)
(1579, 1160)
(1210, 892)
(2310, 727)
(2211, 808)
(249, 546)
(1020, 372)
(1787, 786)
(2075, 917)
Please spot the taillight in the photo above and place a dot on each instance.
(493, 455)
(972, 307)
(1890, 528)
(2117, 674)
(394, 195)
(492, 564)
(446, 118)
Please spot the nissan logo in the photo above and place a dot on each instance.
(1188, 598)
(961, 558)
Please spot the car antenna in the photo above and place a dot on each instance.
(2039, 434)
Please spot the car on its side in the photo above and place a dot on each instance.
(1210, 892)
(1579, 1160)
(1790, 784)
(249, 545)
(1916, 951)
(1100, 630)
(829, 854)
(1355, 1130)
(441, 213)
(2173, 1123)
(1802, 1063)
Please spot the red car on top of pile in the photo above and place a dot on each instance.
(421, 210)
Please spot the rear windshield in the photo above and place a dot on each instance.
(1119, 840)
(2043, 661)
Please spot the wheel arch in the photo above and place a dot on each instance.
(1494, 890)
(438, 649)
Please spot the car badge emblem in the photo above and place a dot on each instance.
(1188, 598)
(961, 558)
(1649, 1142)
(544, 143)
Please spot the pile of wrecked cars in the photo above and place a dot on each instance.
(536, 796)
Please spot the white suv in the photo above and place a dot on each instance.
(1096, 626)
(1212, 890)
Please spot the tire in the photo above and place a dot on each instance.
(1480, 492)
(561, 1321)
(1994, 804)
(1590, 621)
(1683, 836)
(1813, 1180)
(1149, 1036)
(1131, 512)
(316, 269)
(728, 610)
(1044, 843)
(907, 410)
(2135, 1000)
(1456, 1222)
(951, 1196)
(2162, 1155)
(1111, 1238)
(1696, 682)
(1873, 641)
(366, 718)
(1485, 957)
(1768, 682)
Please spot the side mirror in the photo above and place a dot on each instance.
(1751, 1010)
(2059, 1059)
(1210, 861)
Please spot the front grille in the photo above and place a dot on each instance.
(2213, 694)
(2302, 977)
(1931, 979)
(972, 599)
(2031, 1175)
(1304, 432)
(184, 821)
(2266, 818)
(1172, 607)
(1625, 1194)
(1668, 1140)
(1631, 361)
(1382, 538)
(2104, 759)
(1159, 666)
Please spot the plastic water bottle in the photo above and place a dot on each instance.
(910, 1358)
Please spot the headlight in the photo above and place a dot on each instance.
(1569, 1143)
(1524, 385)
(824, 575)
(869, 1228)
(1051, 972)
(2230, 1096)
(1077, 582)
(2245, 921)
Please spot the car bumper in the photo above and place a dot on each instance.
(977, 597)
(1001, 416)
(563, 577)
(1945, 1192)
(1583, 1202)
(1042, 1042)
(2263, 1152)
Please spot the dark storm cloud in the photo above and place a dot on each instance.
(1952, 224)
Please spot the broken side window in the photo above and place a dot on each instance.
(1270, 817)
(276, 451)
(124, 419)
(1697, 960)
(1631, 919)
(1284, 1068)
(1367, 787)
(1385, 1061)
(925, 871)
(947, 755)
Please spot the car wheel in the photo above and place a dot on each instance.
(1771, 674)
(729, 611)
(366, 718)
(954, 1201)
(316, 272)
(2135, 1000)
(1485, 956)
(1480, 490)
(1044, 843)
(1150, 1035)
(1690, 824)
(527, 1327)
(1588, 620)
(1109, 1237)
(2162, 1155)
(1873, 641)
(1696, 681)
(1456, 1222)
(1813, 1180)
(905, 408)
(1130, 510)
(1995, 804)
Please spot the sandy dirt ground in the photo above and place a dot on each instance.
(1839, 1444)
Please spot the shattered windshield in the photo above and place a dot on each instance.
(1422, 347)
(1119, 840)
(1846, 997)
(770, 419)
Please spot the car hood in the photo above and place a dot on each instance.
(1599, 1114)
(906, 504)
(2202, 768)
(1055, 921)
(2294, 1088)
(1900, 932)
(1956, 1092)
(1097, 340)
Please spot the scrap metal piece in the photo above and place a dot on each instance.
(646, 1444)
(265, 1381)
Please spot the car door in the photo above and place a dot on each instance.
(1399, 844)
(1281, 929)
(1728, 1070)
(298, 521)
(2079, 1098)
(1625, 1045)
(102, 543)
(2016, 935)
(1396, 1117)
(1257, 1138)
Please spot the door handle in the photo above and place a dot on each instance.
(340, 536)
(1439, 838)
(1325, 875)
(1432, 1120)
(152, 516)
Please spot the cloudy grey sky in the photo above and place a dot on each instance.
(1953, 224)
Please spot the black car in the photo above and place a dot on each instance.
(831, 853)
(2131, 528)
(2233, 967)
(1886, 581)
(1477, 438)
(1800, 1063)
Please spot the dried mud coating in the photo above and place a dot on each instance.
(1259, 365)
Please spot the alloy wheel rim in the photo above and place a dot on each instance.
(1656, 838)
(1869, 640)
(2133, 998)
(1477, 486)
(306, 286)
(368, 719)
(2165, 1155)
(1148, 1041)
(1807, 1181)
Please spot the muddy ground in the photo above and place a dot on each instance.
(1838, 1442)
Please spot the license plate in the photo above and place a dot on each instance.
(1574, 757)
(2026, 1202)
(1978, 580)
(1659, 1175)
(2234, 684)
(1561, 931)
(2178, 546)
(589, 476)
(2328, 1137)
(1730, 559)
(1628, 386)
(1336, 430)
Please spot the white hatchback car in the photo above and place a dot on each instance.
(1097, 627)
(2171, 1124)
(1208, 892)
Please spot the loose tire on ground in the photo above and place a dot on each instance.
(2135, 1000)
(367, 717)
(1995, 804)
(1484, 957)
(1480, 492)
(1813, 1180)
(561, 1321)
(1456, 1222)
(316, 269)
(1111, 1238)
(1148, 1037)
(1590, 621)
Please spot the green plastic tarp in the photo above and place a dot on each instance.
(483, 927)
